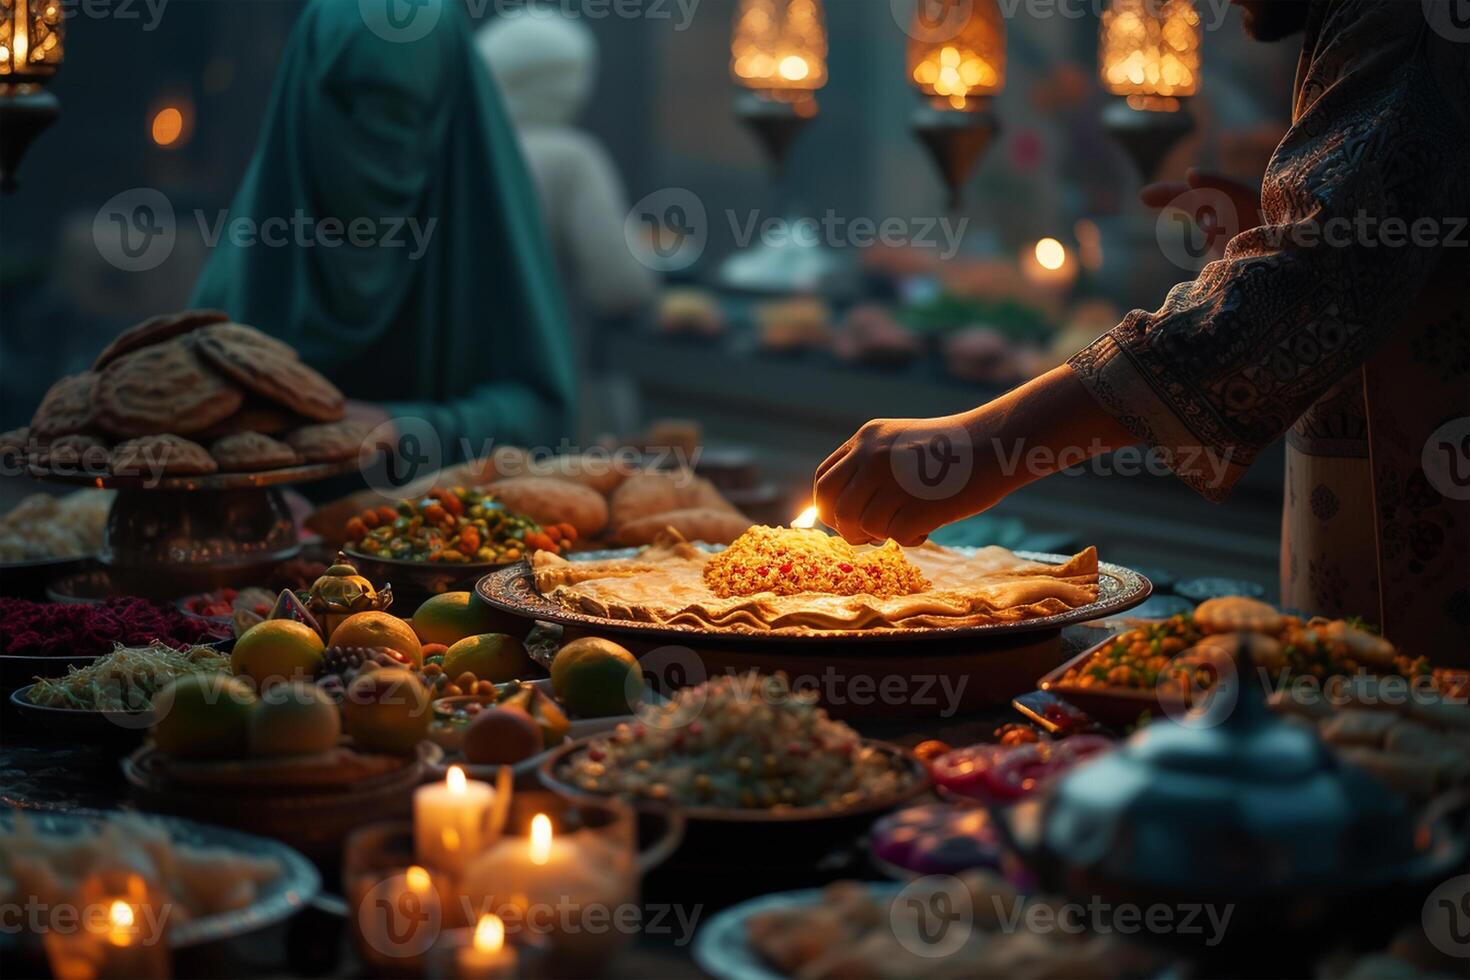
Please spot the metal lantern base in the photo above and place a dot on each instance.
(1146, 135)
(25, 110)
(956, 139)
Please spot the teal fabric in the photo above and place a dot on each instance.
(472, 333)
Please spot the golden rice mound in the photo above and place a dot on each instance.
(791, 560)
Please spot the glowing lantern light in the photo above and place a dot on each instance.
(1148, 52)
(957, 51)
(1149, 56)
(957, 61)
(31, 50)
(779, 47)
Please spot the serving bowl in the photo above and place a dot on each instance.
(416, 581)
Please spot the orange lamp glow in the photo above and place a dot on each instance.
(1149, 52)
(31, 33)
(957, 51)
(779, 47)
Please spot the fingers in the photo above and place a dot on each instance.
(832, 460)
(848, 513)
(829, 485)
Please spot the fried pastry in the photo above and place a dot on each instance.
(162, 389)
(161, 455)
(78, 451)
(269, 369)
(548, 500)
(252, 452)
(328, 442)
(661, 491)
(66, 407)
(156, 331)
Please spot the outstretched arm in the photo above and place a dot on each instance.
(901, 479)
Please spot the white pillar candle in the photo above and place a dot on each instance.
(450, 820)
(486, 956)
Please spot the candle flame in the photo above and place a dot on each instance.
(121, 914)
(540, 839)
(489, 933)
(808, 518)
(455, 779)
(417, 878)
(1051, 254)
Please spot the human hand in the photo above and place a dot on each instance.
(1221, 207)
(901, 479)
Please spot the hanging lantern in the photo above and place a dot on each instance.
(31, 50)
(779, 48)
(957, 62)
(1149, 57)
(778, 57)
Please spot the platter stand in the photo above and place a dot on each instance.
(178, 535)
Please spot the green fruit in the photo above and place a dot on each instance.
(451, 617)
(204, 716)
(501, 737)
(277, 650)
(494, 657)
(387, 710)
(294, 719)
(596, 678)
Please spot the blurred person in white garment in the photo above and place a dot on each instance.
(546, 64)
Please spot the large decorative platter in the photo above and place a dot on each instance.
(513, 590)
(297, 884)
(304, 473)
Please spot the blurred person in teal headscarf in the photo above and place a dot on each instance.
(383, 120)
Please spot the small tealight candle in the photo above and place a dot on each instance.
(486, 957)
(116, 951)
(450, 820)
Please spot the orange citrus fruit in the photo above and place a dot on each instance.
(276, 650)
(379, 629)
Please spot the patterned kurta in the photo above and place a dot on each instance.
(1343, 322)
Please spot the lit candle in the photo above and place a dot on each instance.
(1048, 264)
(536, 878)
(397, 917)
(486, 956)
(117, 948)
(808, 518)
(450, 820)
